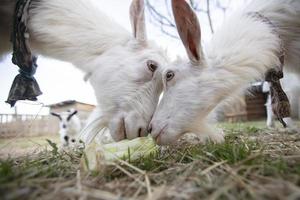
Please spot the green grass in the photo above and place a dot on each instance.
(252, 163)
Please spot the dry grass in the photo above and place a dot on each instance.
(253, 163)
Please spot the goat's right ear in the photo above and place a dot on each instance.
(188, 28)
(71, 115)
(137, 18)
(56, 115)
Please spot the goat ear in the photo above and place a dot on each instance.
(56, 115)
(188, 28)
(137, 18)
(71, 115)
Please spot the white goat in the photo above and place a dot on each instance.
(69, 127)
(124, 70)
(241, 51)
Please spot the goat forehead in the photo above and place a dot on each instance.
(150, 51)
(65, 115)
(179, 66)
(157, 54)
(129, 64)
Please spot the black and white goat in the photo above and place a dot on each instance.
(69, 127)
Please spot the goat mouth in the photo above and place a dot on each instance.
(66, 144)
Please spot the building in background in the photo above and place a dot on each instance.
(248, 107)
(251, 106)
(83, 109)
(13, 125)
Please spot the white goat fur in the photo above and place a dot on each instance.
(240, 52)
(77, 32)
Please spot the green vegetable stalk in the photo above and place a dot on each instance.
(95, 154)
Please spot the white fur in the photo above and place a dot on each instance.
(78, 32)
(240, 52)
(74, 30)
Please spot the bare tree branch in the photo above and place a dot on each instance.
(165, 19)
(159, 19)
(209, 17)
(158, 16)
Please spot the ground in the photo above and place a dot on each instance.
(253, 163)
(22, 146)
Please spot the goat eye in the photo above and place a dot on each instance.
(170, 75)
(152, 66)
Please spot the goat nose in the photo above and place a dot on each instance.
(149, 128)
(66, 138)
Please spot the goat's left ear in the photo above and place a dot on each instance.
(137, 18)
(71, 115)
(56, 115)
(188, 28)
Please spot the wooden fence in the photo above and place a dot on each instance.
(30, 125)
